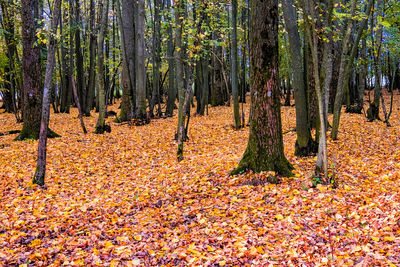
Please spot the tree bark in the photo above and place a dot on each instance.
(140, 113)
(305, 145)
(92, 58)
(155, 97)
(234, 63)
(101, 126)
(40, 172)
(31, 70)
(171, 74)
(343, 62)
(264, 150)
(179, 76)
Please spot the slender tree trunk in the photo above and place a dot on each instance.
(155, 97)
(343, 62)
(373, 111)
(325, 75)
(304, 144)
(171, 75)
(78, 105)
(363, 74)
(264, 150)
(140, 65)
(40, 172)
(79, 57)
(9, 35)
(179, 75)
(234, 73)
(101, 126)
(92, 58)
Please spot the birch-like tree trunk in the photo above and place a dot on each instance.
(40, 172)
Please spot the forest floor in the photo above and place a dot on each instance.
(123, 199)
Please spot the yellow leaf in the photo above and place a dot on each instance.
(388, 238)
(375, 238)
(279, 217)
(222, 263)
(138, 237)
(108, 245)
(210, 249)
(114, 263)
(35, 243)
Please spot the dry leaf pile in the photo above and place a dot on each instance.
(123, 199)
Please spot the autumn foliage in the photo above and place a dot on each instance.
(122, 199)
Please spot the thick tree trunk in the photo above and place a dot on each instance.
(40, 172)
(304, 144)
(31, 70)
(264, 150)
(126, 22)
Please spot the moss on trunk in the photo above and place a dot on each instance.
(258, 159)
(303, 151)
(30, 133)
(264, 150)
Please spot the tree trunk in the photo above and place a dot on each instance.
(92, 57)
(13, 82)
(101, 126)
(343, 62)
(80, 85)
(155, 97)
(31, 70)
(373, 110)
(171, 74)
(234, 63)
(264, 150)
(304, 146)
(140, 114)
(179, 77)
(40, 172)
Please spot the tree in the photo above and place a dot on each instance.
(40, 172)
(305, 145)
(92, 57)
(234, 63)
(140, 113)
(155, 97)
(171, 67)
(126, 20)
(322, 77)
(101, 127)
(31, 71)
(264, 150)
